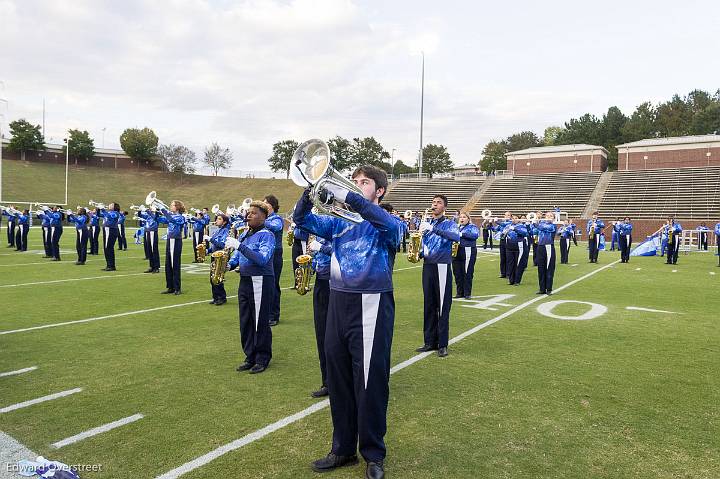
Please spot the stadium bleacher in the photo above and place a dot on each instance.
(417, 195)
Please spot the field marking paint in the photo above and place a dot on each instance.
(70, 279)
(638, 269)
(39, 400)
(96, 430)
(595, 311)
(409, 267)
(286, 421)
(573, 265)
(712, 273)
(674, 271)
(19, 371)
(637, 308)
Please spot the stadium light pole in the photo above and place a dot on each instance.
(67, 165)
(103, 130)
(422, 111)
(2, 120)
(392, 160)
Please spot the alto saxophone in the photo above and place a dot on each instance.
(290, 236)
(455, 247)
(304, 271)
(219, 261)
(592, 231)
(201, 252)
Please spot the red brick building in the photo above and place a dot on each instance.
(557, 159)
(674, 152)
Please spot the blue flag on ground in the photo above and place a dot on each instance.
(648, 247)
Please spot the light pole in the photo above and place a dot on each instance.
(392, 160)
(103, 130)
(422, 111)
(67, 165)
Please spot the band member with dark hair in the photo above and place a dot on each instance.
(514, 236)
(567, 234)
(274, 223)
(360, 320)
(23, 227)
(673, 231)
(173, 247)
(94, 232)
(546, 253)
(44, 216)
(151, 239)
(624, 233)
(500, 227)
(321, 249)
(217, 243)
(463, 264)
(487, 234)
(299, 246)
(438, 236)
(198, 232)
(594, 229)
(253, 258)
(122, 239)
(81, 234)
(703, 239)
(110, 233)
(56, 231)
(12, 219)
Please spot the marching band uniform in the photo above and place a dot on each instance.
(717, 240)
(360, 320)
(253, 259)
(55, 232)
(546, 255)
(122, 239)
(110, 234)
(81, 236)
(487, 233)
(173, 249)
(515, 234)
(140, 233)
(94, 233)
(673, 232)
(703, 237)
(151, 239)
(663, 242)
(594, 238)
(274, 223)
(500, 228)
(198, 226)
(463, 265)
(10, 228)
(321, 300)
(532, 239)
(23, 227)
(217, 243)
(624, 232)
(566, 235)
(299, 246)
(45, 225)
(402, 235)
(437, 282)
(615, 239)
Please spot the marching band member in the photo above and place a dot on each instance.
(322, 252)
(594, 228)
(546, 253)
(463, 265)
(150, 216)
(206, 217)
(198, 226)
(253, 258)
(703, 243)
(717, 240)
(673, 231)
(361, 315)
(217, 243)
(531, 242)
(487, 233)
(299, 246)
(122, 239)
(55, 232)
(500, 227)
(81, 234)
(274, 223)
(44, 216)
(514, 237)
(389, 208)
(110, 218)
(11, 219)
(173, 247)
(23, 227)
(624, 233)
(566, 235)
(438, 236)
(615, 236)
(94, 232)
(140, 233)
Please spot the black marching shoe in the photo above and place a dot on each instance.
(374, 470)
(442, 352)
(244, 367)
(425, 348)
(168, 291)
(212, 302)
(220, 302)
(149, 271)
(257, 369)
(457, 296)
(322, 392)
(177, 292)
(540, 292)
(549, 292)
(156, 271)
(331, 462)
(468, 297)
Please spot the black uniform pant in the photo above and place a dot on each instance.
(321, 300)
(625, 243)
(47, 241)
(197, 239)
(593, 248)
(11, 233)
(55, 234)
(122, 239)
(358, 340)
(437, 292)
(534, 250)
(153, 250)
(487, 238)
(81, 240)
(218, 290)
(564, 250)
(21, 237)
(277, 268)
(109, 238)
(503, 258)
(94, 239)
(404, 242)
(146, 242)
(546, 267)
(463, 267)
(524, 247)
(173, 255)
(704, 241)
(512, 263)
(298, 248)
(673, 249)
(255, 295)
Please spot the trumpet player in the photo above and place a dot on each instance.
(198, 225)
(321, 250)
(500, 227)
(110, 218)
(567, 234)
(595, 227)
(487, 234)
(56, 231)
(254, 260)
(150, 216)
(217, 243)
(275, 224)
(175, 219)
(23, 228)
(43, 214)
(546, 230)
(515, 234)
(624, 236)
(673, 231)
(80, 220)
(11, 220)
(122, 239)
(94, 232)
(463, 265)
(438, 235)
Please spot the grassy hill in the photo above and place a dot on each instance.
(23, 180)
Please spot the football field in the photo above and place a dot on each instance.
(613, 376)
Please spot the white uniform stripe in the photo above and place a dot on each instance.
(370, 306)
(172, 252)
(442, 280)
(107, 235)
(304, 246)
(97, 430)
(521, 247)
(152, 238)
(257, 293)
(548, 250)
(31, 402)
(468, 251)
(19, 371)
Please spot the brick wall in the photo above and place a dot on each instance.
(697, 157)
(560, 164)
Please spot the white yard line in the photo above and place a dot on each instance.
(96, 430)
(39, 400)
(637, 308)
(19, 371)
(260, 433)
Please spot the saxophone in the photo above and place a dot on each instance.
(201, 252)
(455, 247)
(413, 253)
(219, 261)
(291, 235)
(592, 231)
(304, 271)
(670, 234)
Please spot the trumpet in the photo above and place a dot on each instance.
(100, 206)
(413, 253)
(153, 201)
(195, 210)
(310, 167)
(138, 208)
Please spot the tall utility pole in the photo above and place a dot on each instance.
(422, 107)
(2, 120)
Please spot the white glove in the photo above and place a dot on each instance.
(425, 226)
(314, 246)
(206, 238)
(338, 192)
(231, 242)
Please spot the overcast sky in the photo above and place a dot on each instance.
(249, 73)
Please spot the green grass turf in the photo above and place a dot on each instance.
(28, 181)
(629, 394)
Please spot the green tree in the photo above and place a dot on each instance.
(673, 117)
(699, 100)
(641, 123)
(436, 159)
(177, 158)
(522, 140)
(282, 153)
(585, 129)
(81, 145)
(140, 145)
(368, 151)
(340, 153)
(401, 168)
(551, 135)
(493, 156)
(25, 137)
(706, 121)
(217, 158)
(611, 133)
